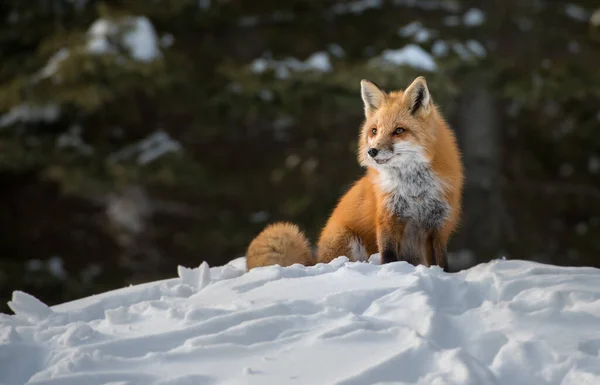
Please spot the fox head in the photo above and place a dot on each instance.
(399, 127)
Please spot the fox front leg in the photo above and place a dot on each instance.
(439, 251)
(389, 239)
(413, 242)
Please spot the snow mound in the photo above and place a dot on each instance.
(504, 322)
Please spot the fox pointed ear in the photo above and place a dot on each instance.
(417, 97)
(372, 96)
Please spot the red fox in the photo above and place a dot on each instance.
(408, 203)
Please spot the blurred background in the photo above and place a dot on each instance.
(139, 135)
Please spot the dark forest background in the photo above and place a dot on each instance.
(139, 135)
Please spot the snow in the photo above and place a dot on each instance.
(503, 322)
(411, 55)
(98, 34)
(72, 139)
(204, 4)
(439, 48)
(53, 64)
(167, 40)
(576, 12)
(140, 38)
(28, 113)
(357, 7)
(415, 29)
(474, 17)
(56, 268)
(336, 50)
(476, 47)
(148, 149)
(469, 50)
(318, 61)
(430, 5)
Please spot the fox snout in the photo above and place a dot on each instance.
(373, 152)
(380, 156)
(376, 153)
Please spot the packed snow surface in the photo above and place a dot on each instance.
(504, 322)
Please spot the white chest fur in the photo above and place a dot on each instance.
(414, 192)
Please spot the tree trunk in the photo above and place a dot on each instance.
(480, 141)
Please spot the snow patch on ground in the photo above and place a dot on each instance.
(503, 322)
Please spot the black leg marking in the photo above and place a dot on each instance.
(439, 251)
(389, 255)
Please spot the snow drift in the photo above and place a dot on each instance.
(504, 322)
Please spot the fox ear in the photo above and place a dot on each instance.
(417, 97)
(372, 96)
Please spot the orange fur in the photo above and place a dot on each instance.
(362, 223)
(279, 243)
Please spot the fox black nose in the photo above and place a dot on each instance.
(373, 152)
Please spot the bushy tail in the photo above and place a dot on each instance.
(279, 243)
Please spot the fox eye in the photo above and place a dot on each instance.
(374, 131)
(399, 130)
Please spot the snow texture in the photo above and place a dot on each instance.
(503, 322)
